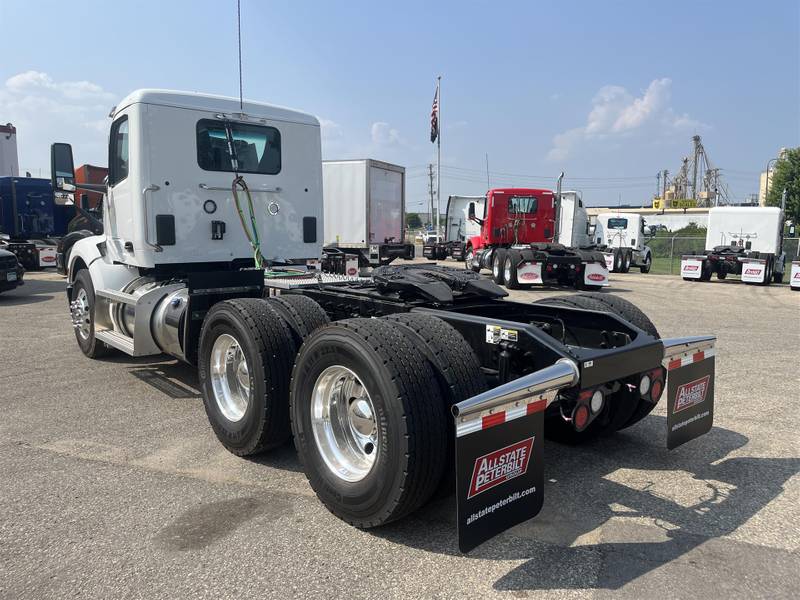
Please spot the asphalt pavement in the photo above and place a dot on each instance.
(112, 484)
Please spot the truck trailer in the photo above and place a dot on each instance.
(744, 241)
(417, 381)
(519, 242)
(365, 211)
(624, 244)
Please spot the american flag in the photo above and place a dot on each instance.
(435, 116)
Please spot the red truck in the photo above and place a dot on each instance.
(518, 241)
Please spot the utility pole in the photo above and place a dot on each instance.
(430, 191)
(488, 185)
(698, 148)
(664, 183)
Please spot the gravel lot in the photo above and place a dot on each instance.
(113, 484)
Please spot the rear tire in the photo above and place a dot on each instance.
(619, 261)
(722, 274)
(629, 407)
(303, 314)
(498, 261)
(408, 415)
(246, 383)
(627, 262)
(510, 270)
(82, 309)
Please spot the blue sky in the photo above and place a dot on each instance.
(609, 92)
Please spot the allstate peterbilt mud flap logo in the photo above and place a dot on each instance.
(690, 397)
(691, 268)
(500, 466)
(499, 472)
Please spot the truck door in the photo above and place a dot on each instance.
(120, 188)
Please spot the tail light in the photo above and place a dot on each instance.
(580, 417)
(549, 268)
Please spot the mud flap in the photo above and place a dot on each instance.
(690, 394)
(499, 451)
(499, 473)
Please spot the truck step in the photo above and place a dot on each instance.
(116, 340)
(117, 296)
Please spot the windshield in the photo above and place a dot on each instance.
(522, 205)
(618, 223)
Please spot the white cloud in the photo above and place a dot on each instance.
(330, 130)
(616, 113)
(45, 111)
(384, 134)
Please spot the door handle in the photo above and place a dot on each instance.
(150, 188)
(215, 188)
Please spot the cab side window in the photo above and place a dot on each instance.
(118, 152)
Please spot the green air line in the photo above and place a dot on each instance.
(250, 232)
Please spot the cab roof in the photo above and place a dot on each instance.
(212, 103)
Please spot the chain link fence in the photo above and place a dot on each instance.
(667, 251)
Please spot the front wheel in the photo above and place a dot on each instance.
(469, 259)
(82, 310)
(645, 268)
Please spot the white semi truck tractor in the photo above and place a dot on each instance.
(744, 241)
(625, 242)
(417, 380)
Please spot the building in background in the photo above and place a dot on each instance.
(766, 179)
(90, 174)
(9, 162)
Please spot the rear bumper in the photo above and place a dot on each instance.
(11, 278)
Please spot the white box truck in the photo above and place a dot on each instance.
(744, 241)
(364, 209)
(625, 237)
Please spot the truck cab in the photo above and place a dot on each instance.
(516, 216)
(625, 241)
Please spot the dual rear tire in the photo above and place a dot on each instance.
(373, 434)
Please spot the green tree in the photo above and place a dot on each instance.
(413, 221)
(787, 175)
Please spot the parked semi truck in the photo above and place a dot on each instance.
(30, 221)
(744, 241)
(458, 229)
(418, 380)
(624, 244)
(519, 237)
(365, 211)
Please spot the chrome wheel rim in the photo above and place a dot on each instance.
(344, 424)
(507, 270)
(496, 267)
(468, 257)
(230, 377)
(80, 314)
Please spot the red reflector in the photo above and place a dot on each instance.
(549, 268)
(495, 419)
(537, 406)
(674, 364)
(656, 389)
(580, 417)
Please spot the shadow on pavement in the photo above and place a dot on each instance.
(663, 505)
(33, 291)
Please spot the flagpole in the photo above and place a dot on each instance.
(438, 152)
